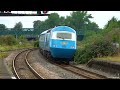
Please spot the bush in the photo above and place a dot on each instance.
(22, 38)
(36, 43)
(97, 45)
(97, 49)
(7, 40)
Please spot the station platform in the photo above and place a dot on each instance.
(4, 73)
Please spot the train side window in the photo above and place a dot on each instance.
(47, 37)
(42, 38)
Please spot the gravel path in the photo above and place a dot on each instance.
(49, 70)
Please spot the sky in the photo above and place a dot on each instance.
(99, 17)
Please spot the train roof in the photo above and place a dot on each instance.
(60, 28)
(46, 31)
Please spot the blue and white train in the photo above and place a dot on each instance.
(58, 42)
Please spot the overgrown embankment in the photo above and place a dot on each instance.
(98, 45)
(9, 42)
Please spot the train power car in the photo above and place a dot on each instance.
(58, 42)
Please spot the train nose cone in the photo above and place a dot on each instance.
(62, 53)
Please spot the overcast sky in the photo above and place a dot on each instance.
(100, 17)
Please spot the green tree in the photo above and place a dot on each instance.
(36, 25)
(79, 20)
(68, 22)
(2, 27)
(40, 26)
(45, 25)
(18, 27)
(93, 26)
(53, 20)
(62, 21)
(113, 23)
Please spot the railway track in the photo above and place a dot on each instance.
(76, 70)
(82, 72)
(21, 67)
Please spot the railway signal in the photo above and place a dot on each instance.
(5, 11)
(39, 12)
(42, 13)
(45, 12)
(9, 13)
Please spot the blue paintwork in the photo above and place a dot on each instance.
(60, 43)
(59, 48)
(63, 28)
(62, 53)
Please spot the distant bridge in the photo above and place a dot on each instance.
(30, 32)
(25, 31)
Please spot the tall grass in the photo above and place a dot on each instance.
(7, 40)
(11, 43)
(3, 55)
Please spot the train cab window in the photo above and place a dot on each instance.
(62, 35)
(42, 38)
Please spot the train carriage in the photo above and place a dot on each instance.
(59, 42)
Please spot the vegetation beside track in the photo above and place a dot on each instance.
(111, 58)
(99, 44)
(8, 43)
